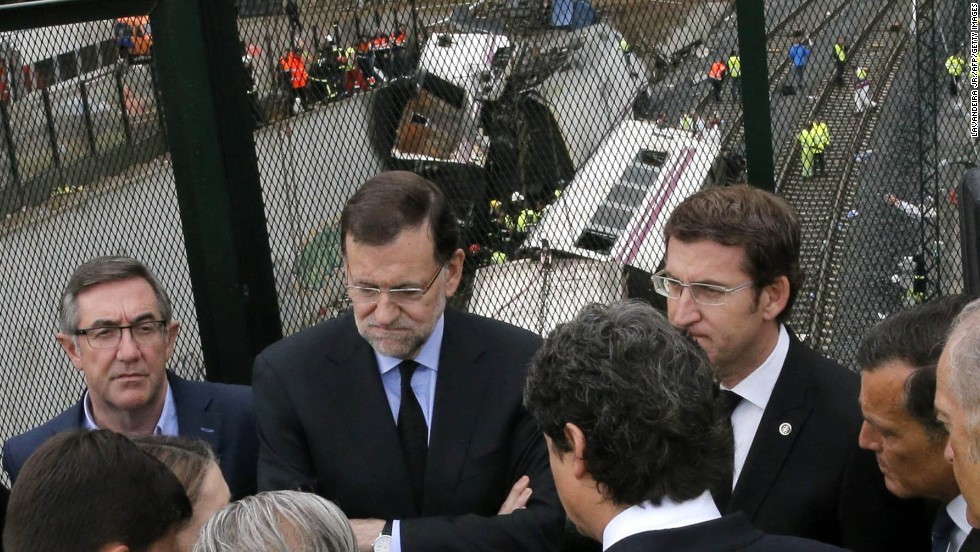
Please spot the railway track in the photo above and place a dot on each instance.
(824, 201)
(800, 18)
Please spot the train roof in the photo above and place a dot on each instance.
(461, 58)
(575, 68)
(616, 206)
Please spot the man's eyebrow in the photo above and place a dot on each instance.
(104, 322)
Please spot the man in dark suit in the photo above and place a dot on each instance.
(406, 415)
(117, 327)
(898, 359)
(957, 401)
(636, 436)
(732, 274)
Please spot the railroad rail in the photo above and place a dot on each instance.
(823, 201)
(807, 12)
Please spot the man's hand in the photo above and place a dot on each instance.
(518, 497)
(365, 532)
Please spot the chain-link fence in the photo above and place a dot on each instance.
(564, 132)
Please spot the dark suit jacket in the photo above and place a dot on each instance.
(972, 542)
(732, 532)
(326, 426)
(815, 482)
(219, 414)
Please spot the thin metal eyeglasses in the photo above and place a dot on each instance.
(703, 294)
(363, 295)
(148, 332)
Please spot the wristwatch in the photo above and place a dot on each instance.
(383, 542)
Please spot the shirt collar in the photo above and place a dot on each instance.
(428, 355)
(668, 515)
(957, 512)
(757, 387)
(166, 425)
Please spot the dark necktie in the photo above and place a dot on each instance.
(412, 431)
(942, 530)
(728, 400)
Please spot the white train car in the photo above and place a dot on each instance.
(33, 59)
(457, 73)
(603, 237)
(616, 206)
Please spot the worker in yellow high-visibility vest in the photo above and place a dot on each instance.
(806, 156)
(735, 74)
(820, 135)
(840, 60)
(954, 66)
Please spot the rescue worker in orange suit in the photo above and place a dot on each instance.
(365, 60)
(382, 55)
(294, 71)
(716, 76)
(399, 63)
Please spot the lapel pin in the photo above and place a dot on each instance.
(785, 429)
(209, 430)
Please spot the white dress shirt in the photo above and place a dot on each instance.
(957, 512)
(669, 515)
(755, 391)
(424, 385)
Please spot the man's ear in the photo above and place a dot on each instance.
(454, 272)
(774, 297)
(70, 344)
(172, 330)
(575, 437)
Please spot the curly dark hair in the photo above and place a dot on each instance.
(393, 201)
(644, 397)
(763, 223)
(915, 336)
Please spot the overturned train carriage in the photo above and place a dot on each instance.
(490, 115)
(603, 237)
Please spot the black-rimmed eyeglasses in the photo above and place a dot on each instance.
(148, 332)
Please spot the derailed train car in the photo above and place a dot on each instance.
(602, 239)
(490, 114)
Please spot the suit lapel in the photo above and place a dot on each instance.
(352, 382)
(460, 392)
(193, 419)
(972, 542)
(781, 423)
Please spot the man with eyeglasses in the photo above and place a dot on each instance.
(732, 274)
(404, 413)
(116, 325)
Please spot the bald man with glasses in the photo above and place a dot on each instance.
(404, 413)
(117, 327)
(731, 276)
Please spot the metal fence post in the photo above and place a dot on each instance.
(52, 134)
(8, 138)
(202, 90)
(755, 97)
(123, 111)
(87, 116)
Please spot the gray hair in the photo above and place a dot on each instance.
(278, 521)
(964, 365)
(102, 270)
